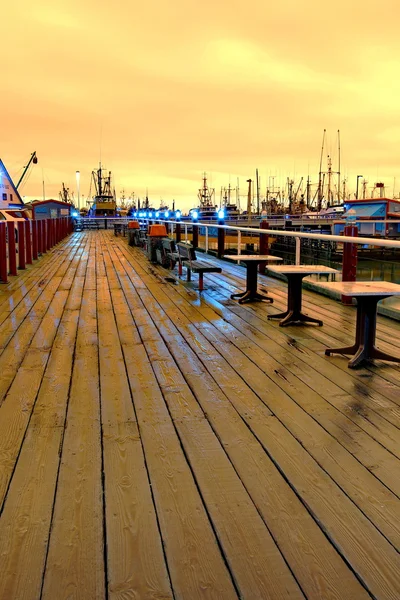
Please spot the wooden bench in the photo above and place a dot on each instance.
(187, 258)
(167, 255)
(137, 237)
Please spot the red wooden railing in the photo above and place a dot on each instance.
(28, 241)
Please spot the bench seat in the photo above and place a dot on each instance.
(198, 265)
(187, 258)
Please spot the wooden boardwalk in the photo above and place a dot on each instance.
(155, 444)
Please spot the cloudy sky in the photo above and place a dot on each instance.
(164, 90)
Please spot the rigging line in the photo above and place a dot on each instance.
(26, 178)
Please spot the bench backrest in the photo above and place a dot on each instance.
(168, 244)
(186, 251)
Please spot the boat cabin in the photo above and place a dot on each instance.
(368, 213)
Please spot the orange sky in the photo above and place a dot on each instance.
(169, 89)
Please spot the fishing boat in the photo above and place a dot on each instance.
(207, 209)
(104, 200)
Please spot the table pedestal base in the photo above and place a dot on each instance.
(251, 294)
(293, 314)
(364, 346)
(294, 317)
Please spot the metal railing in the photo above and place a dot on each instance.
(297, 235)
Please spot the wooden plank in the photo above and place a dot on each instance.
(374, 579)
(75, 562)
(135, 558)
(196, 567)
(15, 412)
(29, 501)
(234, 516)
(312, 359)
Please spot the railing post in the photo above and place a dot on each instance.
(34, 240)
(239, 242)
(40, 236)
(48, 234)
(195, 236)
(263, 245)
(21, 244)
(349, 266)
(178, 232)
(28, 242)
(221, 239)
(12, 250)
(206, 239)
(3, 253)
(186, 237)
(298, 250)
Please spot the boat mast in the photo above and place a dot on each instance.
(99, 180)
(258, 192)
(249, 181)
(320, 194)
(338, 187)
(329, 181)
(308, 192)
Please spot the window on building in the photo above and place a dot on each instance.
(5, 197)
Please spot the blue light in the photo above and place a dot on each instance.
(221, 214)
(178, 214)
(135, 214)
(157, 214)
(74, 214)
(150, 214)
(195, 215)
(166, 214)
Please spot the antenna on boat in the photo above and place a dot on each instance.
(44, 195)
(338, 187)
(101, 139)
(258, 192)
(320, 194)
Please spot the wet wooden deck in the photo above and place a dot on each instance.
(159, 445)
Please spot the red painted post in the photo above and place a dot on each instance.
(349, 267)
(28, 242)
(34, 240)
(12, 249)
(263, 245)
(21, 245)
(3, 253)
(48, 232)
(40, 236)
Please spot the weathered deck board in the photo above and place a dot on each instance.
(352, 481)
(158, 443)
(324, 575)
(31, 491)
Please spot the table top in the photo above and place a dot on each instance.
(301, 269)
(365, 288)
(251, 257)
